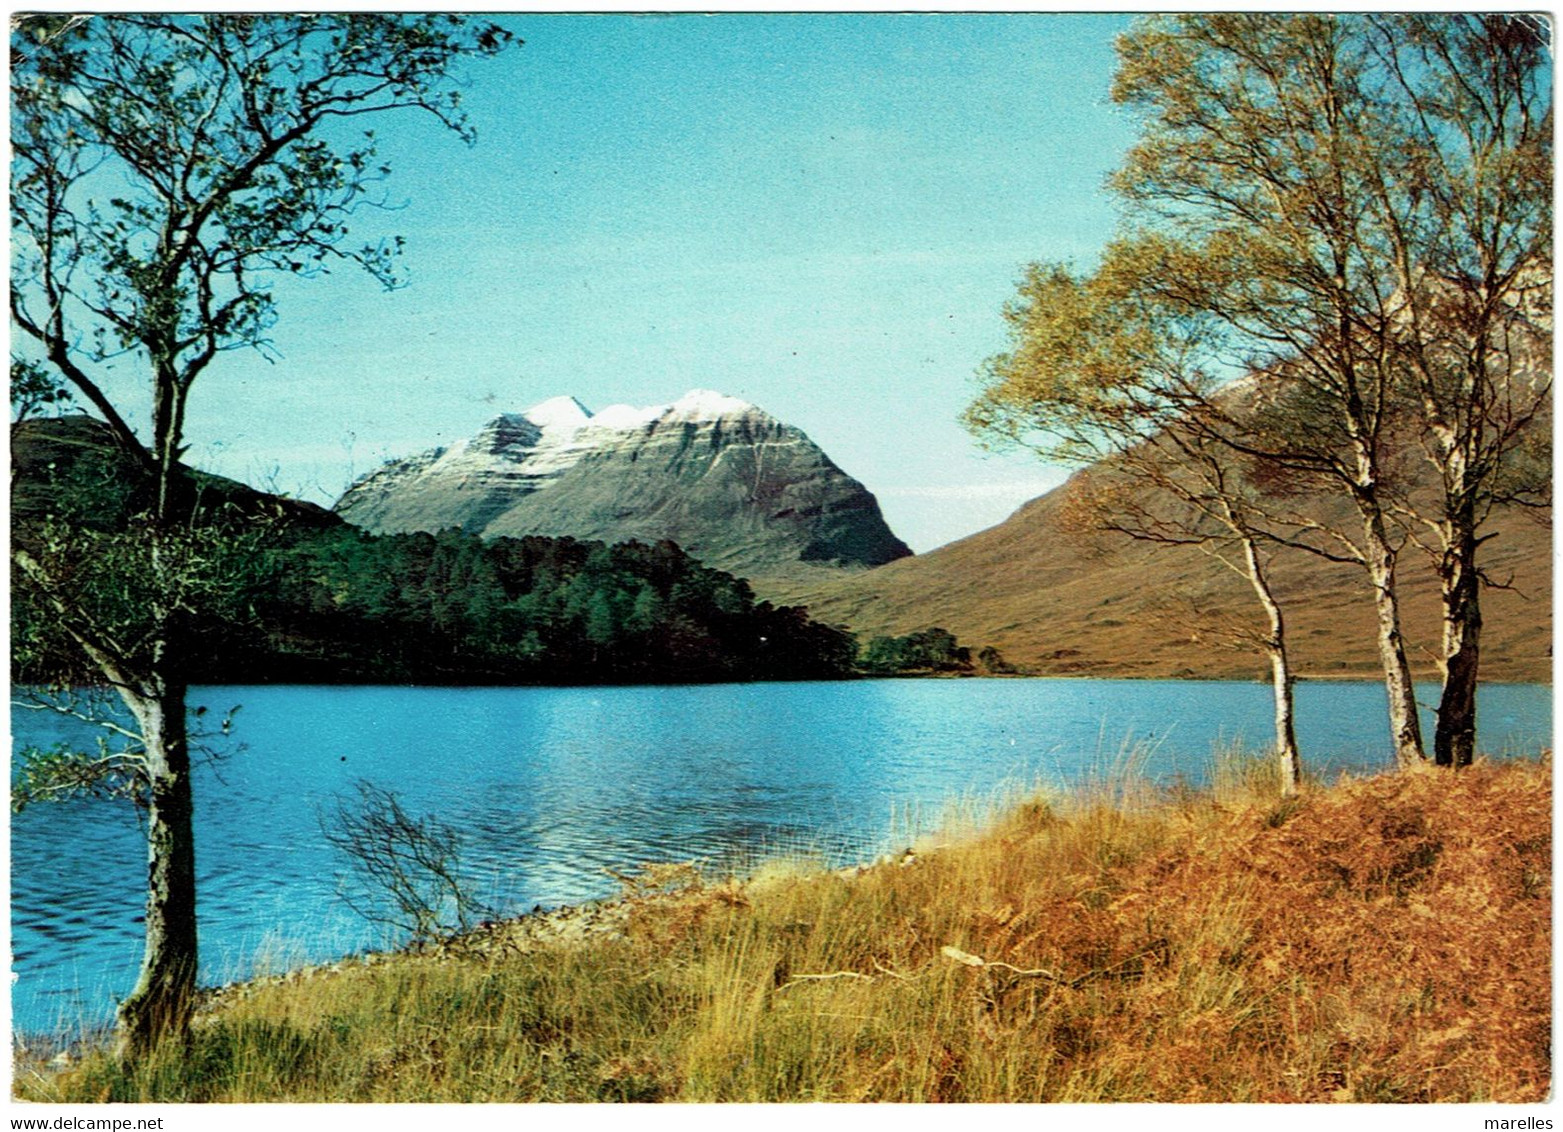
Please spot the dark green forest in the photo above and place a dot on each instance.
(345, 605)
(934, 651)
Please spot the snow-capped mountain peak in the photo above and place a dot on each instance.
(727, 481)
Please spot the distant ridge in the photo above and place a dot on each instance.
(79, 455)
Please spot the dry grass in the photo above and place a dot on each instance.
(1385, 939)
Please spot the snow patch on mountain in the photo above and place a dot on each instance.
(558, 413)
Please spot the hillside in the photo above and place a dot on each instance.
(1061, 602)
(71, 466)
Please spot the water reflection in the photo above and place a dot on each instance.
(553, 787)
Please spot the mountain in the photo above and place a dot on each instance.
(735, 487)
(1059, 601)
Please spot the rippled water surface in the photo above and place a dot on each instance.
(550, 786)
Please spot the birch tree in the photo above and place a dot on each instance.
(1097, 374)
(167, 171)
(1465, 201)
(1358, 210)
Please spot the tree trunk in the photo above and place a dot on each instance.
(1285, 722)
(1280, 674)
(160, 1006)
(1405, 727)
(1454, 739)
(161, 1003)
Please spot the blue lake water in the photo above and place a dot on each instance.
(551, 786)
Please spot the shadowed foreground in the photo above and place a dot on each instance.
(1385, 939)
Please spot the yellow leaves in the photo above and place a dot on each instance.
(1096, 361)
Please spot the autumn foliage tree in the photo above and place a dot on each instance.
(1099, 374)
(1353, 213)
(168, 171)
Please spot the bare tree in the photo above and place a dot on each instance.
(406, 868)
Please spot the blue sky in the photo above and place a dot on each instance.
(821, 214)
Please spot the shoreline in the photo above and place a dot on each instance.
(576, 925)
(1093, 946)
(1303, 678)
(573, 924)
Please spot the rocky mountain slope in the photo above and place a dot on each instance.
(1060, 601)
(732, 485)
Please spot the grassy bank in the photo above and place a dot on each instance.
(1385, 939)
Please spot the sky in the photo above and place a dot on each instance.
(821, 214)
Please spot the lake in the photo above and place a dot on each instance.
(551, 786)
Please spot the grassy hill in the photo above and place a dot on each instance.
(1061, 602)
